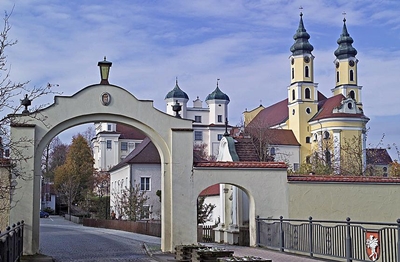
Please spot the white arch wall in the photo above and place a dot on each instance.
(266, 188)
(172, 137)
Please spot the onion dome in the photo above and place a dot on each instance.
(217, 94)
(176, 92)
(301, 46)
(345, 49)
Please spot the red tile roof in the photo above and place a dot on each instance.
(211, 191)
(144, 153)
(283, 137)
(128, 132)
(327, 106)
(242, 164)
(245, 150)
(378, 156)
(278, 113)
(273, 115)
(342, 179)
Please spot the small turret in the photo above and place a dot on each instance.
(176, 95)
(218, 103)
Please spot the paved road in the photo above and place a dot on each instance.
(66, 241)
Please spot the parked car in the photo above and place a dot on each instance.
(43, 214)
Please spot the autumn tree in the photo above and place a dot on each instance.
(75, 177)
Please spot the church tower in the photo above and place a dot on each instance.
(346, 68)
(302, 92)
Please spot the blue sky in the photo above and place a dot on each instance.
(243, 43)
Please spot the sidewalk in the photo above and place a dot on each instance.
(240, 251)
(154, 252)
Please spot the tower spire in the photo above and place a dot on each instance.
(301, 45)
(345, 49)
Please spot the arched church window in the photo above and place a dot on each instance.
(326, 135)
(307, 93)
(351, 75)
(292, 73)
(307, 71)
(293, 95)
(352, 94)
(328, 159)
(337, 76)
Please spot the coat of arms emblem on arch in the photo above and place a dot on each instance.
(373, 245)
(105, 98)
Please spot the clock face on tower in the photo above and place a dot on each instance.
(306, 59)
(337, 64)
(351, 63)
(292, 61)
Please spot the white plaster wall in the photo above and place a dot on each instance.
(154, 172)
(218, 107)
(122, 174)
(287, 154)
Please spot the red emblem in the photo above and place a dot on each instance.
(373, 244)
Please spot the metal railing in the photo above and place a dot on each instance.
(205, 233)
(11, 243)
(349, 240)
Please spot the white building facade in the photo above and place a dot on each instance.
(209, 123)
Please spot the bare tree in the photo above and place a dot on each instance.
(11, 93)
(130, 203)
(261, 136)
(54, 155)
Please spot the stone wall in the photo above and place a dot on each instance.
(148, 227)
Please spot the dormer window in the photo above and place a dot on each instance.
(350, 105)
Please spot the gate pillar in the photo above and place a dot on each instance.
(25, 196)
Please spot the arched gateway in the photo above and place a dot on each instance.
(173, 137)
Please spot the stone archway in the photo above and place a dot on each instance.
(173, 138)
